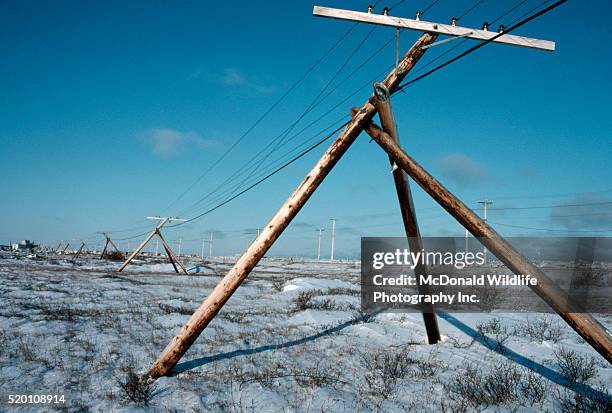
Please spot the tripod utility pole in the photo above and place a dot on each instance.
(106, 244)
(255, 252)
(157, 232)
(589, 328)
(81, 249)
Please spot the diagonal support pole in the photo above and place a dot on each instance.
(114, 246)
(170, 258)
(80, 250)
(104, 249)
(584, 324)
(241, 269)
(143, 243)
(404, 196)
(171, 255)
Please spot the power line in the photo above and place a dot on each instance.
(529, 12)
(501, 16)
(551, 229)
(433, 3)
(465, 13)
(484, 43)
(303, 153)
(554, 195)
(396, 4)
(314, 102)
(401, 87)
(552, 206)
(266, 113)
(410, 82)
(280, 140)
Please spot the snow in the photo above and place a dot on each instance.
(76, 327)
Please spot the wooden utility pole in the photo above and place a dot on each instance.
(157, 231)
(106, 244)
(404, 196)
(584, 324)
(81, 249)
(241, 269)
(430, 27)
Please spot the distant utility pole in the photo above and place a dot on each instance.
(210, 245)
(106, 244)
(333, 238)
(203, 242)
(319, 245)
(156, 247)
(179, 248)
(467, 234)
(157, 232)
(485, 202)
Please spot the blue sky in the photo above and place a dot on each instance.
(111, 110)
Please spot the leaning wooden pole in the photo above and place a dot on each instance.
(104, 249)
(584, 324)
(173, 259)
(404, 196)
(142, 244)
(79, 251)
(224, 290)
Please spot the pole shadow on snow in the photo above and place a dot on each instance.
(541, 369)
(191, 364)
(488, 342)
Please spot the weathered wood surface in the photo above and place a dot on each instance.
(404, 196)
(584, 324)
(241, 269)
(430, 27)
(173, 259)
(143, 243)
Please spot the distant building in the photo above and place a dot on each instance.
(24, 245)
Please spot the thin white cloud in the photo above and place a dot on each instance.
(232, 76)
(166, 142)
(462, 170)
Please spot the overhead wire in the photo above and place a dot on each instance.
(401, 87)
(266, 113)
(469, 10)
(314, 102)
(541, 12)
(484, 43)
(261, 151)
(292, 160)
(317, 101)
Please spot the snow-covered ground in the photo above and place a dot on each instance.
(292, 339)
